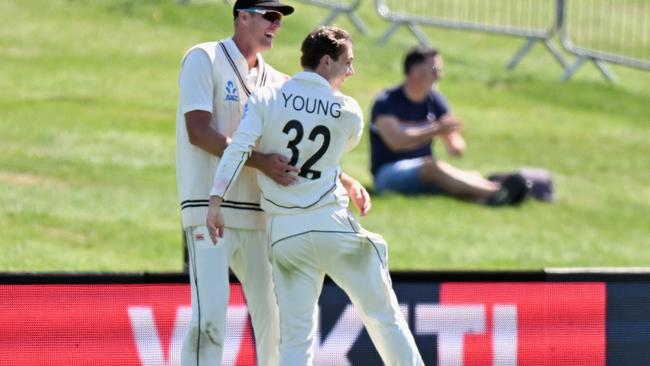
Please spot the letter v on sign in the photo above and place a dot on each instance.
(147, 338)
(150, 345)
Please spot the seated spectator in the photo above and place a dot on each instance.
(406, 120)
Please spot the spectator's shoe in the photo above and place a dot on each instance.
(513, 191)
(540, 182)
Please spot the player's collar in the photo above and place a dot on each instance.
(237, 56)
(312, 77)
(242, 65)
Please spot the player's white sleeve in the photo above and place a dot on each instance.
(195, 83)
(356, 116)
(238, 151)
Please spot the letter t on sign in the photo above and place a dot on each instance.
(450, 323)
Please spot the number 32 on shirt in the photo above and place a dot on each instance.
(320, 130)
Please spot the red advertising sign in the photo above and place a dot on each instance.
(107, 325)
(471, 324)
(560, 324)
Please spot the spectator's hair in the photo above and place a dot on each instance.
(418, 55)
(325, 40)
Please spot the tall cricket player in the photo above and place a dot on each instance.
(215, 81)
(311, 233)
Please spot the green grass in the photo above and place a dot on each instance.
(87, 107)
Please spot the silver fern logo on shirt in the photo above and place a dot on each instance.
(231, 92)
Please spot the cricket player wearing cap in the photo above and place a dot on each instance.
(215, 81)
(311, 232)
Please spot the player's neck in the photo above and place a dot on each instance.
(247, 49)
(322, 72)
(415, 91)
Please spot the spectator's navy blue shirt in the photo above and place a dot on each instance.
(393, 102)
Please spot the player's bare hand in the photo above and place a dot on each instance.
(277, 167)
(214, 220)
(360, 199)
(358, 194)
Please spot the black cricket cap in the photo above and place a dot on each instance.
(261, 4)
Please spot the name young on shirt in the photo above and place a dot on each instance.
(312, 105)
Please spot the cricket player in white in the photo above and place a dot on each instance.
(311, 233)
(215, 81)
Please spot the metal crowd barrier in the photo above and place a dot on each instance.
(615, 31)
(535, 20)
(339, 7)
(600, 31)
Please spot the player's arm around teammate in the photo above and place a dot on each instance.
(202, 135)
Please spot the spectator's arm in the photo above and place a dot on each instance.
(454, 141)
(401, 139)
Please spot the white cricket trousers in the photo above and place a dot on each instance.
(328, 240)
(246, 253)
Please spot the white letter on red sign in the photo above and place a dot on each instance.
(450, 323)
(149, 344)
(504, 335)
(237, 320)
(148, 341)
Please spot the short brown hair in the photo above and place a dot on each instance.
(417, 55)
(324, 40)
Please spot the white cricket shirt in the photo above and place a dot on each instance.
(215, 78)
(309, 123)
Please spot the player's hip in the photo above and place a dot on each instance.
(198, 238)
(332, 217)
(331, 229)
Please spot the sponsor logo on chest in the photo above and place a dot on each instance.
(231, 92)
